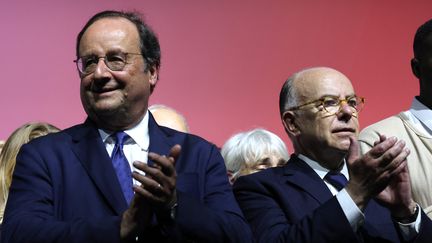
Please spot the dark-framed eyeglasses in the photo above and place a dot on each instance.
(114, 61)
(332, 104)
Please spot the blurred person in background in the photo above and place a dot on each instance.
(168, 117)
(251, 151)
(20, 136)
(1, 145)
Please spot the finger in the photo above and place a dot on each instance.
(401, 168)
(167, 182)
(396, 151)
(146, 181)
(163, 163)
(144, 167)
(150, 171)
(353, 151)
(400, 158)
(150, 184)
(382, 137)
(382, 147)
(143, 192)
(174, 153)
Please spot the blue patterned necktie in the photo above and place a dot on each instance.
(121, 166)
(337, 179)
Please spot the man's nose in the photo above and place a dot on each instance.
(345, 111)
(101, 70)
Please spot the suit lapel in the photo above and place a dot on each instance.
(297, 172)
(159, 140)
(90, 150)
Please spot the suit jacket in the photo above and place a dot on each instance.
(65, 189)
(293, 204)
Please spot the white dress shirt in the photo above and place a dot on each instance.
(136, 147)
(420, 117)
(352, 212)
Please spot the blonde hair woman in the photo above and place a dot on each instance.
(1, 145)
(10, 150)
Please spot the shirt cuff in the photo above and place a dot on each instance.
(352, 212)
(410, 230)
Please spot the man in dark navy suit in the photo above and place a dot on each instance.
(327, 192)
(120, 177)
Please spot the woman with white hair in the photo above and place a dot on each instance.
(252, 151)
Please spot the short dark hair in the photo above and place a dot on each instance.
(149, 43)
(422, 33)
(283, 96)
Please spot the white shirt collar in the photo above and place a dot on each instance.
(321, 171)
(422, 113)
(139, 133)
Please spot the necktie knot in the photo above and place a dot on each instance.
(121, 138)
(337, 179)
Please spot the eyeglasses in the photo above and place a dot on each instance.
(114, 61)
(332, 104)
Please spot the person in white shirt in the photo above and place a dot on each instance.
(414, 126)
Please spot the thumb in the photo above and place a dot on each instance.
(174, 153)
(353, 151)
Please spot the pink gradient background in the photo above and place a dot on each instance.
(223, 61)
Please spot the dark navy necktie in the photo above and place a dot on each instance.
(121, 166)
(337, 179)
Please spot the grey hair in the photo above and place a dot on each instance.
(247, 148)
(288, 96)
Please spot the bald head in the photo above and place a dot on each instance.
(320, 133)
(168, 117)
(305, 84)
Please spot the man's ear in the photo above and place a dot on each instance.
(153, 78)
(289, 121)
(415, 67)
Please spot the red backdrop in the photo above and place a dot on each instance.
(223, 61)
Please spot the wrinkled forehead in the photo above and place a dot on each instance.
(110, 32)
(315, 83)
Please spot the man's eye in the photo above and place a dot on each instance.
(330, 102)
(352, 102)
(89, 61)
(116, 59)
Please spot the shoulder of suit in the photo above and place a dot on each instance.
(185, 138)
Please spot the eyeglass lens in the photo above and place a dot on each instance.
(88, 64)
(333, 105)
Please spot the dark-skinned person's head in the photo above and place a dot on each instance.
(421, 63)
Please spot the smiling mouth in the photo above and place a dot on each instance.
(103, 90)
